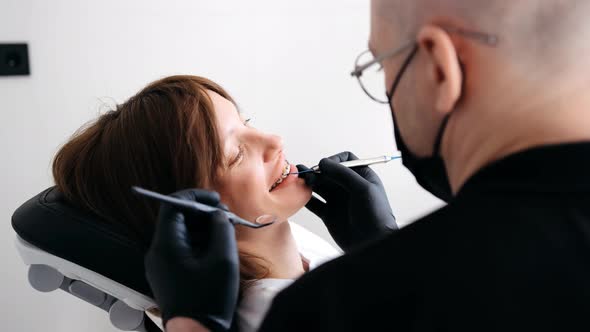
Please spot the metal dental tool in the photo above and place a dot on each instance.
(355, 163)
(184, 204)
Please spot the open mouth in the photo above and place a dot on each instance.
(284, 175)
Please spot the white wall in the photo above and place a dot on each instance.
(285, 62)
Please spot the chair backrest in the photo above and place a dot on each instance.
(47, 223)
(50, 223)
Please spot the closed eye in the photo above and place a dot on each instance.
(238, 157)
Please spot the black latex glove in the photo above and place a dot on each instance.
(356, 209)
(192, 264)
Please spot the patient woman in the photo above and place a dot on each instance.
(185, 132)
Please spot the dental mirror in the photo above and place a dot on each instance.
(266, 219)
(187, 205)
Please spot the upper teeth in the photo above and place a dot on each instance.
(286, 171)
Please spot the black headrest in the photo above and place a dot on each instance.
(50, 223)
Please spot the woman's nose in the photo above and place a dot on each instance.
(273, 144)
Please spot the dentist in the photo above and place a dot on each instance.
(490, 105)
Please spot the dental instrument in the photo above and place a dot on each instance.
(355, 163)
(262, 221)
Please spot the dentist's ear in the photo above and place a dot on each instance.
(443, 67)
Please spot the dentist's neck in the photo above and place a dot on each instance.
(277, 246)
(501, 125)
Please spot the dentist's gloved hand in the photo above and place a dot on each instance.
(192, 264)
(356, 209)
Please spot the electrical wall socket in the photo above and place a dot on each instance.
(14, 60)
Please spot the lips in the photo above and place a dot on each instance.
(283, 175)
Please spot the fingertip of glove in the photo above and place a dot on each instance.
(218, 216)
(302, 168)
(220, 224)
(212, 196)
(326, 164)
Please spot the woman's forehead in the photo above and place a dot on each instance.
(227, 115)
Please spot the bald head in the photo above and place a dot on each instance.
(536, 27)
(490, 14)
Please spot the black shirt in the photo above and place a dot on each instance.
(511, 252)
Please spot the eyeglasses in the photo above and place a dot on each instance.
(369, 72)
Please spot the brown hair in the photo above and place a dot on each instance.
(164, 139)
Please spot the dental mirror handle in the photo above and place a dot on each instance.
(191, 205)
(361, 162)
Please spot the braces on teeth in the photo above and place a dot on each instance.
(286, 171)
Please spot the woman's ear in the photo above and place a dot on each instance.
(443, 67)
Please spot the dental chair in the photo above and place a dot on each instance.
(75, 251)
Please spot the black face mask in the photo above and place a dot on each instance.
(430, 172)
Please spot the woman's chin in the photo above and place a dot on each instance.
(290, 200)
